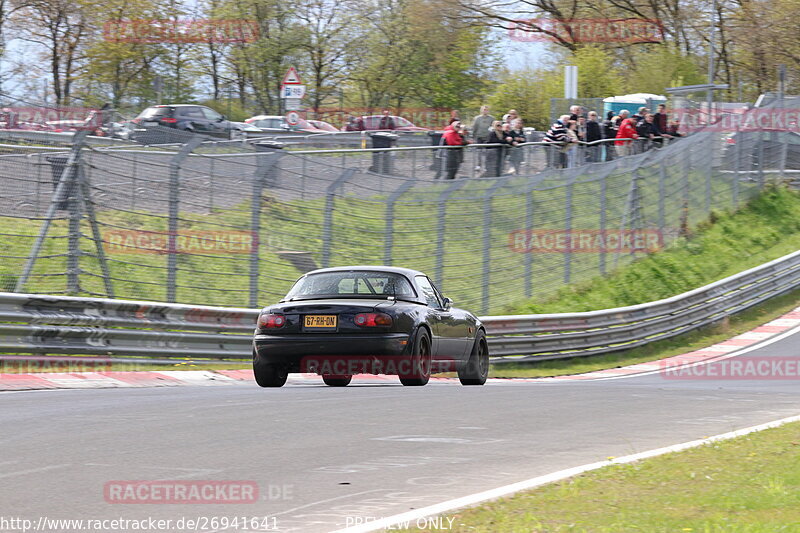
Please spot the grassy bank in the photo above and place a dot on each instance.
(768, 227)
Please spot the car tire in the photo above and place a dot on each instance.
(476, 370)
(267, 375)
(420, 362)
(337, 381)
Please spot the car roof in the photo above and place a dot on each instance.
(379, 268)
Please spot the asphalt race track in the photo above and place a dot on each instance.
(320, 455)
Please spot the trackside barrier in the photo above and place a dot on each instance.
(37, 324)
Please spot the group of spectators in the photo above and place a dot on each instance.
(631, 134)
(508, 133)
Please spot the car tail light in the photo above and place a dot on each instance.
(169, 120)
(136, 120)
(371, 320)
(271, 321)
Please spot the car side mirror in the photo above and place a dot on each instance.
(448, 303)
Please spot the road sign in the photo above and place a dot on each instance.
(293, 91)
(291, 77)
(292, 104)
(292, 118)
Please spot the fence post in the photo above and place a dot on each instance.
(487, 243)
(174, 199)
(710, 155)
(75, 210)
(603, 222)
(327, 223)
(761, 179)
(530, 207)
(86, 197)
(65, 182)
(441, 228)
(738, 163)
(662, 216)
(266, 170)
(388, 234)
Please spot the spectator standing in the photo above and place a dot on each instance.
(575, 111)
(593, 134)
(639, 116)
(495, 156)
(481, 126)
(609, 132)
(557, 137)
(648, 132)
(627, 130)
(386, 122)
(572, 148)
(454, 135)
(661, 118)
(511, 116)
(353, 123)
(516, 153)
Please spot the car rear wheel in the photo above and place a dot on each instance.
(337, 381)
(269, 375)
(476, 370)
(420, 362)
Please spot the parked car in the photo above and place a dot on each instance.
(372, 123)
(268, 123)
(342, 321)
(189, 118)
(277, 124)
(319, 126)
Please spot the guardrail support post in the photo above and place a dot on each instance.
(65, 182)
(174, 200)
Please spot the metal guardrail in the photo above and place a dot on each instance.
(39, 324)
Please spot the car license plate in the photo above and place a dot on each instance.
(320, 321)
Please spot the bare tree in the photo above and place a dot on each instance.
(60, 28)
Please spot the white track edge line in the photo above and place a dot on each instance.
(492, 494)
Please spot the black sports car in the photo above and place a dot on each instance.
(338, 322)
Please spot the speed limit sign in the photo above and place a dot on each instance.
(292, 118)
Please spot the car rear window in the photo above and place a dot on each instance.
(353, 284)
(152, 112)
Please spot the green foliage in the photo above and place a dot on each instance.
(529, 92)
(657, 67)
(598, 76)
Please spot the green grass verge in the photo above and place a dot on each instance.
(748, 484)
(768, 227)
(701, 338)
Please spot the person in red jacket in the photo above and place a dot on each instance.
(454, 135)
(627, 130)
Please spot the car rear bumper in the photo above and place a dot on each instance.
(295, 351)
